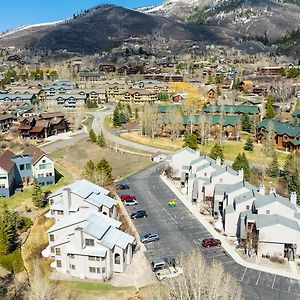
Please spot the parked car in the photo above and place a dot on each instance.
(158, 264)
(150, 237)
(139, 214)
(126, 197)
(130, 202)
(211, 242)
(122, 186)
(168, 272)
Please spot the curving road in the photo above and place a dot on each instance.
(98, 126)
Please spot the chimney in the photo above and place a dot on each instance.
(272, 190)
(66, 198)
(77, 239)
(241, 174)
(293, 198)
(218, 161)
(262, 189)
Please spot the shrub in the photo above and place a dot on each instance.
(12, 262)
(23, 223)
(277, 259)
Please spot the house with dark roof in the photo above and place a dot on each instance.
(232, 109)
(5, 122)
(286, 136)
(19, 170)
(43, 125)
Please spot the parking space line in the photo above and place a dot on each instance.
(258, 278)
(273, 281)
(243, 275)
(169, 215)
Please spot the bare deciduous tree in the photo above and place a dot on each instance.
(199, 281)
(41, 289)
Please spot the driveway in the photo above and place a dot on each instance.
(181, 232)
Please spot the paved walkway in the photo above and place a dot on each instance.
(195, 211)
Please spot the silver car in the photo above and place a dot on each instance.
(150, 237)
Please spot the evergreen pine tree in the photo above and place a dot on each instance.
(249, 145)
(8, 231)
(38, 196)
(246, 166)
(191, 141)
(116, 116)
(270, 112)
(237, 164)
(92, 136)
(103, 172)
(246, 123)
(294, 183)
(273, 169)
(89, 171)
(101, 140)
(217, 151)
(288, 167)
(219, 93)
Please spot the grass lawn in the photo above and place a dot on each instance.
(123, 164)
(21, 201)
(162, 143)
(35, 243)
(231, 148)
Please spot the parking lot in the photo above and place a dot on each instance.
(181, 232)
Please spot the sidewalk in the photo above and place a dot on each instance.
(193, 209)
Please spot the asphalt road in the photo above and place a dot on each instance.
(180, 232)
(98, 126)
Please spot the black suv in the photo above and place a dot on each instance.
(139, 214)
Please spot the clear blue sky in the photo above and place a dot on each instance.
(14, 13)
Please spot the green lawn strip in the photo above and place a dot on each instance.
(93, 286)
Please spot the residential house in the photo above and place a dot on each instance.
(5, 122)
(286, 136)
(270, 71)
(81, 194)
(211, 96)
(59, 87)
(93, 95)
(29, 98)
(18, 170)
(7, 174)
(91, 77)
(180, 159)
(89, 245)
(43, 125)
(70, 101)
(138, 96)
(233, 110)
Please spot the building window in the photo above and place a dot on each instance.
(72, 267)
(22, 167)
(43, 161)
(98, 258)
(92, 270)
(3, 176)
(221, 180)
(92, 257)
(57, 251)
(51, 237)
(103, 270)
(45, 166)
(247, 207)
(267, 212)
(117, 259)
(60, 212)
(98, 270)
(72, 255)
(52, 249)
(58, 263)
(28, 166)
(89, 242)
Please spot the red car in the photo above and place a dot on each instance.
(211, 242)
(126, 197)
